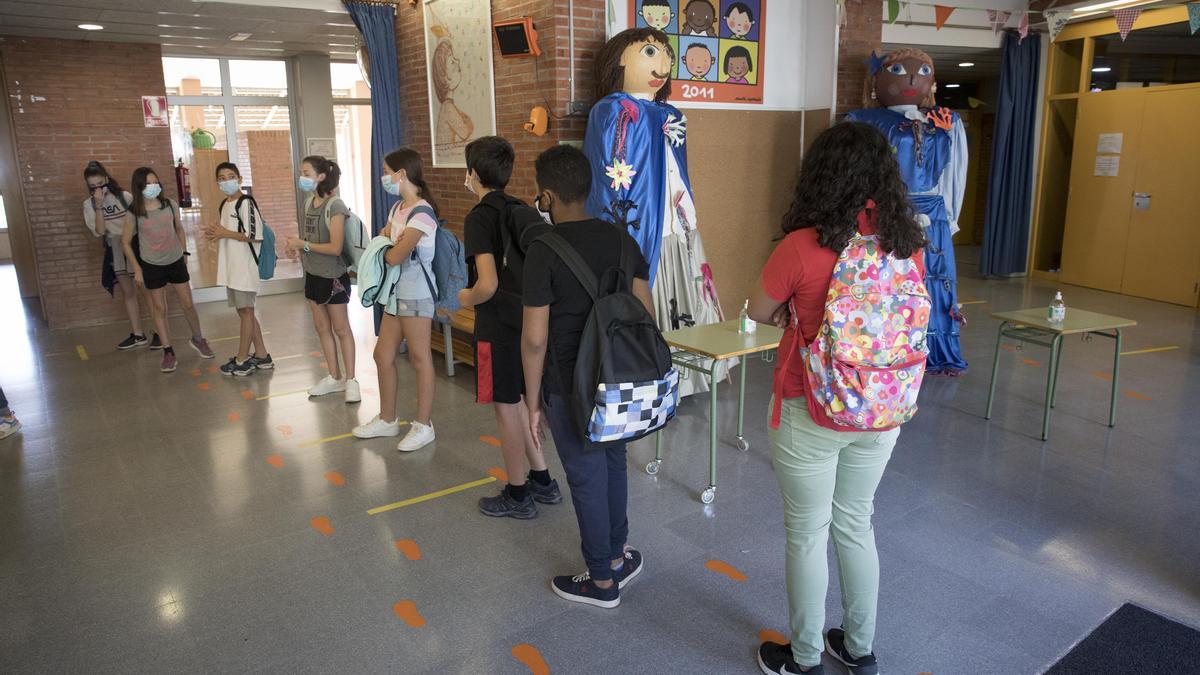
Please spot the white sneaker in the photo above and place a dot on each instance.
(418, 436)
(354, 394)
(377, 428)
(327, 385)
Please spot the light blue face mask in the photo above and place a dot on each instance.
(151, 191)
(307, 184)
(390, 186)
(230, 187)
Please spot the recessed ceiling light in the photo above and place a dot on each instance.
(953, 86)
(238, 37)
(966, 64)
(1101, 69)
(90, 26)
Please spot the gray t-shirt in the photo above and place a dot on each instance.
(316, 230)
(158, 240)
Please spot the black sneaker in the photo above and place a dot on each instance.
(630, 569)
(504, 506)
(264, 363)
(544, 494)
(229, 366)
(776, 659)
(580, 588)
(244, 369)
(155, 342)
(134, 340)
(835, 644)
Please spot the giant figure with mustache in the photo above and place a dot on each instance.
(931, 146)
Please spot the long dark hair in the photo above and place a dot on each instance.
(94, 169)
(333, 174)
(410, 161)
(140, 178)
(610, 74)
(849, 164)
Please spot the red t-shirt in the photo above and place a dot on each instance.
(798, 272)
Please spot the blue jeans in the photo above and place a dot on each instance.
(599, 490)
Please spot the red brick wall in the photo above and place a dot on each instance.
(862, 31)
(73, 101)
(274, 181)
(517, 90)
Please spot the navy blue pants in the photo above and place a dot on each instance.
(599, 490)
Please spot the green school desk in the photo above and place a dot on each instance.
(1033, 327)
(702, 349)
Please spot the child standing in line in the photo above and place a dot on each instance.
(491, 235)
(237, 269)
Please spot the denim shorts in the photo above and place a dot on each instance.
(421, 309)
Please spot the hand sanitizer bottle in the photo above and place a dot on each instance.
(1058, 310)
(745, 323)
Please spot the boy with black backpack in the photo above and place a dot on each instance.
(497, 232)
(586, 285)
(240, 228)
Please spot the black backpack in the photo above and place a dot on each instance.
(625, 387)
(520, 224)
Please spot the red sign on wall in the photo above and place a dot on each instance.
(154, 111)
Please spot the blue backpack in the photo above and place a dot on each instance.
(265, 256)
(449, 273)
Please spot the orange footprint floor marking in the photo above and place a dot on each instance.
(195, 372)
(325, 365)
(284, 429)
(490, 440)
(1107, 377)
(768, 635)
(407, 611)
(321, 524)
(203, 386)
(275, 461)
(1138, 396)
(315, 355)
(235, 417)
(409, 548)
(532, 658)
(335, 478)
(247, 394)
(1029, 362)
(722, 567)
(213, 370)
(498, 473)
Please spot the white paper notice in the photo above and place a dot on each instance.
(1110, 143)
(1108, 165)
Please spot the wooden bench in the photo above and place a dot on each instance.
(458, 340)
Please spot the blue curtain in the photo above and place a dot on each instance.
(1010, 187)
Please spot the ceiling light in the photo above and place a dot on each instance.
(953, 86)
(90, 26)
(1101, 69)
(1111, 4)
(966, 64)
(238, 37)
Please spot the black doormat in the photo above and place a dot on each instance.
(1134, 640)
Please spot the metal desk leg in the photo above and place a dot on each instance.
(742, 443)
(1057, 368)
(448, 336)
(652, 466)
(995, 369)
(710, 493)
(1112, 405)
(1051, 378)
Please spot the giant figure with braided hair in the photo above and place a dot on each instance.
(931, 146)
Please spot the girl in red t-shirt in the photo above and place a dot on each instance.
(849, 182)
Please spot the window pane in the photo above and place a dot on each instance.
(198, 138)
(191, 77)
(258, 78)
(264, 141)
(1148, 57)
(348, 81)
(353, 127)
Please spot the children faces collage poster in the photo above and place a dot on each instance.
(718, 44)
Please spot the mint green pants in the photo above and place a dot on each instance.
(829, 477)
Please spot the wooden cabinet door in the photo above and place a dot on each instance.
(1097, 223)
(1163, 247)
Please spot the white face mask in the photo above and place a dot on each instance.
(467, 183)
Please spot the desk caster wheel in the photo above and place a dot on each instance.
(708, 496)
(652, 467)
(743, 444)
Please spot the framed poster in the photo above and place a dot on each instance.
(154, 111)
(719, 46)
(462, 90)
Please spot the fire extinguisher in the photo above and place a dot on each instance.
(185, 185)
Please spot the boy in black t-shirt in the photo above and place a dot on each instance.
(495, 295)
(556, 304)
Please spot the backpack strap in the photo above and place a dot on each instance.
(237, 213)
(427, 210)
(574, 262)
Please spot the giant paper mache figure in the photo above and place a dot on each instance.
(636, 143)
(931, 146)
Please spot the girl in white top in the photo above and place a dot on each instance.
(237, 269)
(409, 314)
(107, 199)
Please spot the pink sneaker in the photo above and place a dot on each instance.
(169, 362)
(201, 346)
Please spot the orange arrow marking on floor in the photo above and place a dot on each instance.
(722, 567)
(768, 635)
(1029, 362)
(409, 548)
(247, 394)
(321, 524)
(490, 440)
(275, 461)
(335, 478)
(284, 429)
(234, 417)
(407, 611)
(1140, 397)
(203, 386)
(498, 473)
(532, 658)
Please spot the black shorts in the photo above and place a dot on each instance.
(498, 374)
(327, 291)
(157, 276)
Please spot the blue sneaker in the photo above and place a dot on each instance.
(581, 588)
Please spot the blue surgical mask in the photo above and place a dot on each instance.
(230, 187)
(151, 191)
(307, 184)
(390, 186)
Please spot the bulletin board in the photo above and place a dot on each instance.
(719, 46)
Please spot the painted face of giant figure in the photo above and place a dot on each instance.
(647, 67)
(905, 78)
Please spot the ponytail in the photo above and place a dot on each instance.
(333, 174)
(410, 161)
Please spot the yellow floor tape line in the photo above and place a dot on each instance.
(319, 441)
(1151, 350)
(973, 302)
(432, 495)
(284, 393)
(83, 355)
(289, 356)
(232, 337)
